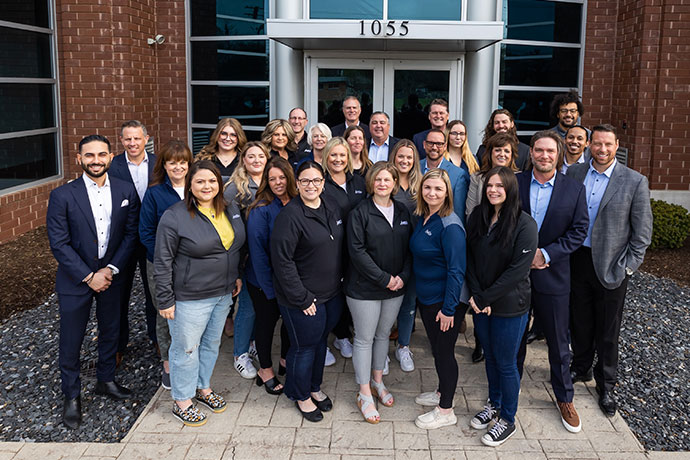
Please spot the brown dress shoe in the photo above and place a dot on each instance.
(569, 417)
(394, 334)
(118, 359)
(463, 326)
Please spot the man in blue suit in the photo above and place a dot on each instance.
(435, 146)
(559, 206)
(92, 226)
(136, 167)
(438, 118)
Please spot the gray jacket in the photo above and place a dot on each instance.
(190, 261)
(623, 227)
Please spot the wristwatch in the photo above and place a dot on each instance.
(628, 271)
(113, 269)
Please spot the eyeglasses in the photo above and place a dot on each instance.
(225, 135)
(305, 182)
(456, 134)
(437, 144)
(571, 111)
(297, 118)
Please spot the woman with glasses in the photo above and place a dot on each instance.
(307, 264)
(502, 241)
(279, 137)
(196, 267)
(458, 150)
(223, 148)
(357, 140)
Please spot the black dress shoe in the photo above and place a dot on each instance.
(577, 377)
(113, 390)
(71, 413)
(607, 403)
(118, 359)
(478, 354)
(313, 416)
(324, 405)
(532, 336)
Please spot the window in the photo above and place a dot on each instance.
(29, 134)
(352, 9)
(229, 70)
(429, 10)
(541, 56)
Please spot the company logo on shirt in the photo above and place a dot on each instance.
(428, 232)
(235, 216)
(403, 222)
(359, 192)
(339, 222)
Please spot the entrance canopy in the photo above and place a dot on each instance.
(384, 35)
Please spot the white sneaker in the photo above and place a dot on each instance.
(330, 359)
(430, 398)
(344, 346)
(435, 419)
(404, 355)
(243, 365)
(386, 367)
(253, 354)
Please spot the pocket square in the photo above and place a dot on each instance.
(125, 202)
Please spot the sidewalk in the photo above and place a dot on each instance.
(257, 425)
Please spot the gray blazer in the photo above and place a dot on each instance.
(623, 227)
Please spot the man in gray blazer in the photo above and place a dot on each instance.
(620, 229)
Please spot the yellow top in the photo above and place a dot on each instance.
(221, 224)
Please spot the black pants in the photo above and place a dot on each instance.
(267, 315)
(595, 320)
(443, 349)
(343, 329)
(137, 257)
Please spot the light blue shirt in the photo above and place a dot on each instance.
(426, 168)
(378, 152)
(595, 185)
(539, 198)
(564, 168)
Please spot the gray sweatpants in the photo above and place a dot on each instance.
(162, 331)
(373, 320)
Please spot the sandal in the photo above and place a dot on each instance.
(378, 390)
(213, 401)
(270, 385)
(365, 402)
(191, 416)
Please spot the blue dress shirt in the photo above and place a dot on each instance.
(539, 198)
(595, 185)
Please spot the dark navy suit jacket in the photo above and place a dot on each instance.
(72, 232)
(119, 168)
(563, 231)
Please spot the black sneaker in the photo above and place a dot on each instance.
(499, 433)
(484, 417)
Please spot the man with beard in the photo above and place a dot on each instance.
(501, 121)
(92, 228)
(567, 109)
(576, 147)
(438, 118)
(559, 206)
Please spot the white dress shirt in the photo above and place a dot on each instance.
(101, 202)
(140, 175)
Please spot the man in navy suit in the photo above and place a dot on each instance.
(438, 118)
(92, 226)
(559, 206)
(352, 109)
(381, 143)
(136, 167)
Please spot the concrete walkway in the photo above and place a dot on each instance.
(257, 425)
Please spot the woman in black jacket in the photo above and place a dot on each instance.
(378, 232)
(502, 240)
(306, 255)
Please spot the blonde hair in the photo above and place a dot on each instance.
(447, 206)
(379, 167)
(465, 152)
(327, 150)
(240, 177)
(415, 174)
(271, 126)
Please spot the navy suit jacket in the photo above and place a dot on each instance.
(563, 230)
(339, 130)
(72, 232)
(119, 168)
(418, 140)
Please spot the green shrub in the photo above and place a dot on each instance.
(671, 225)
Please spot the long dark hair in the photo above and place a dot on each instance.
(480, 219)
(219, 202)
(264, 195)
(173, 150)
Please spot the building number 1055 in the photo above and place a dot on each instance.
(391, 27)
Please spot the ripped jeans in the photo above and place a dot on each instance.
(195, 332)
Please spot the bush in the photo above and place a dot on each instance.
(671, 225)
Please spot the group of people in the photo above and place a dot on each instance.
(348, 230)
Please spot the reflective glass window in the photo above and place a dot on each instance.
(542, 20)
(230, 60)
(248, 104)
(530, 108)
(201, 136)
(27, 159)
(228, 17)
(29, 12)
(346, 9)
(24, 54)
(337, 84)
(440, 10)
(539, 65)
(30, 106)
(413, 92)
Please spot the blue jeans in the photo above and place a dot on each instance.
(408, 308)
(500, 338)
(307, 352)
(244, 322)
(195, 334)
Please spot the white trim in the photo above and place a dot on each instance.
(28, 185)
(242, 83)
(219, 38)
(212, 127)
(512, 41)
(239, 18)
(541, 89)
(18, 26)
(188, 60)
(28, 133)
(583, 38)
(48, 81)
(56, 90)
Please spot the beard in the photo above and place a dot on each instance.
(89, 173)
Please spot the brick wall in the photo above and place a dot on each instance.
(109, 74)
(637, 75)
